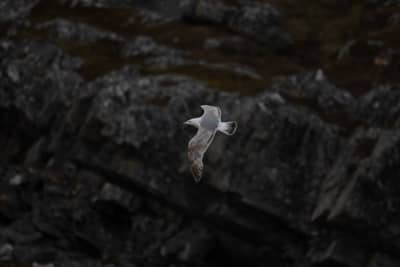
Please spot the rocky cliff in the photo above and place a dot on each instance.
(93, 166)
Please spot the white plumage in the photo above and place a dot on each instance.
(208, 124)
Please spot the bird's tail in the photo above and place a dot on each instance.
(228, 127)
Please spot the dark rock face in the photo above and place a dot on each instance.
(77, 32)
(94, 170)
(258, 20)
(12, 11)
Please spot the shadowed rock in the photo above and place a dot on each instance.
(95, 172)
(260, 21)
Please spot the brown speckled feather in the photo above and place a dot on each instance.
(198, 145)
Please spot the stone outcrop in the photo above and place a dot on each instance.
(94, 171)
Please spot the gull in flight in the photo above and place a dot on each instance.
(207, 125)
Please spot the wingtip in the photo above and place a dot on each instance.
(204, 107)
(196, 173)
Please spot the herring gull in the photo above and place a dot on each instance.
(207, 125)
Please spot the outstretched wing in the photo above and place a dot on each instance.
(212, 109)
(198, 146)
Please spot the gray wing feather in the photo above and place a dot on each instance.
(198, 146)
(212, 109)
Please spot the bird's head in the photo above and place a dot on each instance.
(192, 122)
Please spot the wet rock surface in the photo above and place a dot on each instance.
(93, 165)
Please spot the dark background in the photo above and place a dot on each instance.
(93, 165)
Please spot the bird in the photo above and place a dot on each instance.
(207, 125)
